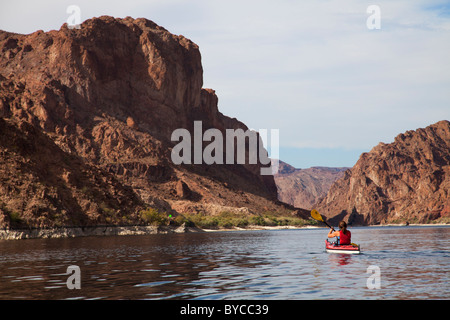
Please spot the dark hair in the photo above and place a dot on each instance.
(343, 226)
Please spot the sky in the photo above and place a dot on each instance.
(312, 69)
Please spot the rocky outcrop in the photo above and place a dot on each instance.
(404, 181)
(303, 188)
(86, 117)
(106, 230)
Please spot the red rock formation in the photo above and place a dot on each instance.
(86, 117)
(404, 181)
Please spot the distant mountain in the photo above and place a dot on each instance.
(404, 181)
(303, 188)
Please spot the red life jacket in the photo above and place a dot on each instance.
(345, 238)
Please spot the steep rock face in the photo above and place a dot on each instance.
(404, 181)
(110, 67)
(86, 120)
(303, 188)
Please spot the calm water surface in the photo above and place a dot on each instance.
(414, 263)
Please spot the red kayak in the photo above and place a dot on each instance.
(346, 248)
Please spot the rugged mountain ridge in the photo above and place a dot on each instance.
(303, 188)
(86, 117)
(404, 181)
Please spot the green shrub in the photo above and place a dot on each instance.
(229, 220)
(203, 221)
(181, 219)
(154, 217)
(14, 217)
(107, 210)
(258, 221)
(242, 223)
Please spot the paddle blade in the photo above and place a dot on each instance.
(316, 215)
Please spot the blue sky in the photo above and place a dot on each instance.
(310, 68)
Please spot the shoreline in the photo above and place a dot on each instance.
(73, 232)
(409, 225)
(255, 228)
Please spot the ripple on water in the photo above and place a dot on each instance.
(153, 284)
(280, 264)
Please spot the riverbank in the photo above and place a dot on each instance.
(255, 227)
(409, 225)
(71, 232)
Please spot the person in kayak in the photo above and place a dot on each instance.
(344, 235)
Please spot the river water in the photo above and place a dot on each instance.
(396, 263)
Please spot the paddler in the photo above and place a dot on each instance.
(344, 235)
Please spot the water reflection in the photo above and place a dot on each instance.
(340, 259)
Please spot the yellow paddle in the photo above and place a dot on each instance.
(316, 215)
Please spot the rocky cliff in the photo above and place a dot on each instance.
(86, 117)
(404, 181)
(303, 188)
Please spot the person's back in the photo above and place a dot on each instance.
(345, 236)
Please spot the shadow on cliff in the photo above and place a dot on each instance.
(352, 219)
(71, 192)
